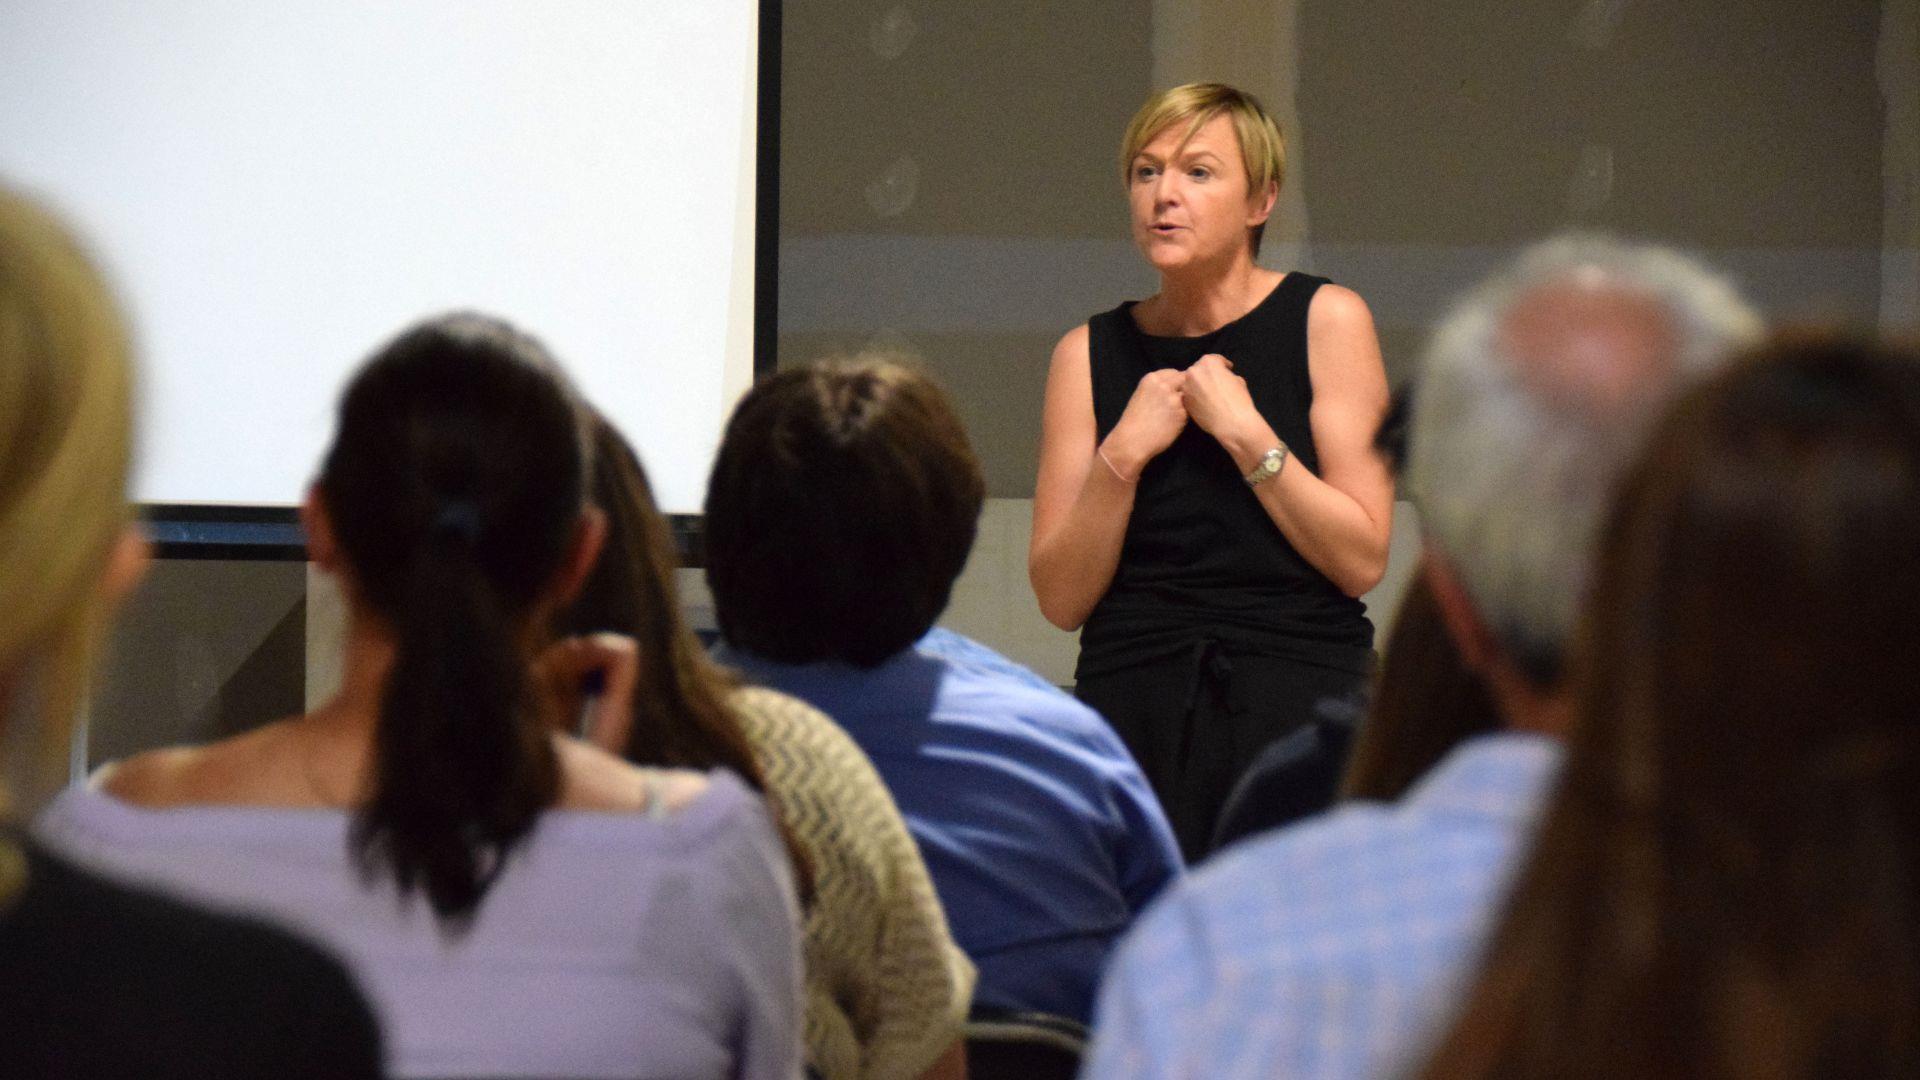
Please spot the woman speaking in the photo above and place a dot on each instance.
(1209, 505)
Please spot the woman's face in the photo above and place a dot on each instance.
(1190, 204)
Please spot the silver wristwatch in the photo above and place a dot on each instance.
(1269, 466)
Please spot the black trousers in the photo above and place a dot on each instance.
(1195, 721)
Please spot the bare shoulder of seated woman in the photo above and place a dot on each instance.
(281, 765)
(262, 767)
(593, 779)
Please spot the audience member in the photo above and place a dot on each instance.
(1329, 949)
(887, 988)
(581, 917)
(102, 980)
(1723, 884)
(1426, 702)
(842, 506)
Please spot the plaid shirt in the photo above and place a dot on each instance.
(1330, 949)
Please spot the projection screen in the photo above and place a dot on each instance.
(276, 188)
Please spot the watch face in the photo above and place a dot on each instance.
(1270, 463)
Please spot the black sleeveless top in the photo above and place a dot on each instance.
(1201, 559)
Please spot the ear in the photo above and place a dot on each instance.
(589, 536)
(1479, 650)
(322, 549)
(1260, 206)
(126, 564)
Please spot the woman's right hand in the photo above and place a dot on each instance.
(1154, 417)
(613, 662)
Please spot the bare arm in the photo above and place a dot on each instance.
(1081, 503)
(1339, 521)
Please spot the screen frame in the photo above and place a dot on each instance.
(253, 533)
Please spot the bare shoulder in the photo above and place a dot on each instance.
(593, 779)
(678, 788)
(222, 772)
(1343, 351)
(1072, 348)
(1069, 382)
(1336, 309)
(150, 779)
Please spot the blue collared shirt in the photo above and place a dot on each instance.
(1331, 949)
(1042, 836)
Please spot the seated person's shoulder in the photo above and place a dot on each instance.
(152, 779)
(764, 712)
(969, 657)
(238, 989)
(787, 735)
(228, 771)
(1313, 868)
(594, 780)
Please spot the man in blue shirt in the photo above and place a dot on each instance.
(1331, 949)
(843, 502)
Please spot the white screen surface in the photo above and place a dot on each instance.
(277, 188)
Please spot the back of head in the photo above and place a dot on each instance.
(454, 489)
(1724, 885)
(65, 418)
(842, 506)
(1534, 392)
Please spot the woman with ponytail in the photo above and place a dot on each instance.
(518, 902)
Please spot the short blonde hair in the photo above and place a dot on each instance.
(1262, 148)
(65, 433)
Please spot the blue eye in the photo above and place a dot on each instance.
(1143, 172)
(1199, 172)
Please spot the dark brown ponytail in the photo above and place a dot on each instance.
(455, 486)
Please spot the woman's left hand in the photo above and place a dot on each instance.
(1218, 400)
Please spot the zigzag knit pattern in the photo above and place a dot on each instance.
(887, 989)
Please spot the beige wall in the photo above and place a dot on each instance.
(948, 184)
(1899, 76)
(1426, 143)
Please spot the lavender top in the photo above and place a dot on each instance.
(615, 945)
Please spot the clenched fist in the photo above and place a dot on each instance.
(1154, 417)
(1217, 399)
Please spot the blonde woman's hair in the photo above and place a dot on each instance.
(65, 419)
(1262, 149)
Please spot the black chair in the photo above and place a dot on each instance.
(1004, 1045)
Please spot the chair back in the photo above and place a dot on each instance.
(1023, 1046)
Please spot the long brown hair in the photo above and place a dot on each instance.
(1727, 881)
(1425, 702)
(681, 718)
